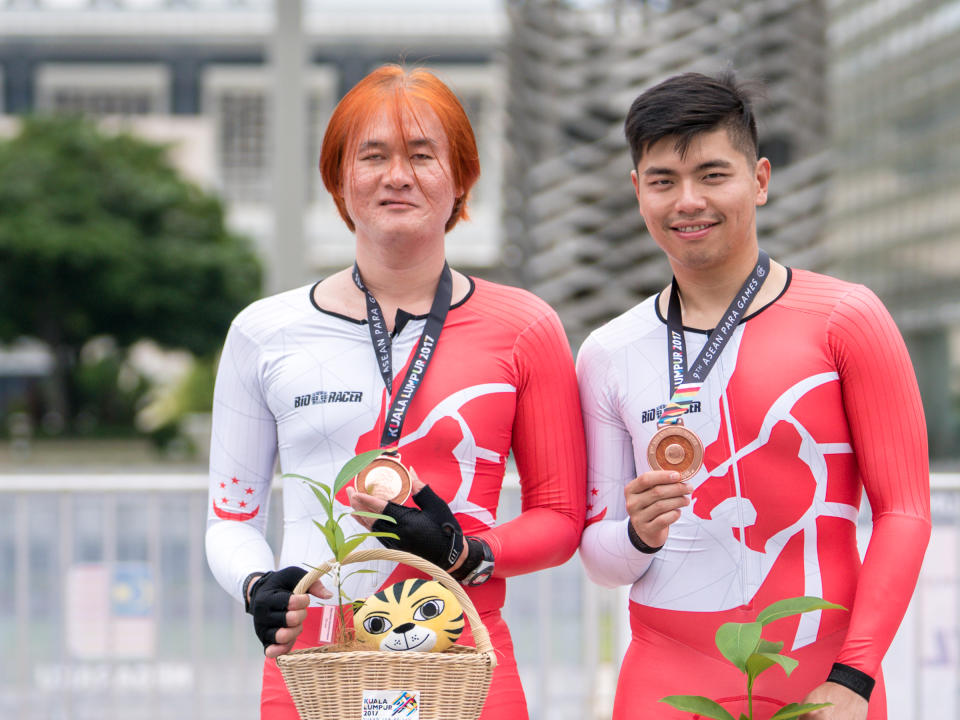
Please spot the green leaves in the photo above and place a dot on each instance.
(794, 606)
(354, 466)
(704, 707)
(743, 645)
(796, 710)
(738, 641)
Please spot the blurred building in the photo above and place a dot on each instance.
(895, 201)
(204, 74)
(571, 216)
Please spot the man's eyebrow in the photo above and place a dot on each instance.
(708, 165)
(421, 142)
(711, 164)
(412, 142)
(372, 145)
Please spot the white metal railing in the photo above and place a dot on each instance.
(112, 611)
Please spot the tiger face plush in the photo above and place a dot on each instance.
(415, 614)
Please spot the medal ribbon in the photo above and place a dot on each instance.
(426, 346)
(686, 383)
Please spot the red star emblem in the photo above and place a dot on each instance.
(235, 481)
(249, 491)
(223, 485)
(224, 501)
(594, 492)
(243, 503)
(590, 506)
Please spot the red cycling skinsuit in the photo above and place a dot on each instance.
(304, 383)
(813, 401)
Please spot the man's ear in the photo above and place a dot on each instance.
(635, 179)
(763, 180)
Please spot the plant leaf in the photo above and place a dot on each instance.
(299, 477)
(327, 535)
(768, 646)
(354, 466)
(321, 493)
(351, 543)
(697, 704)
(354, 572)
(794, 606)
(738, 641)
(758, 661)
(376, 516)
(796, 710)
(391, 535)
(756, 664)
(787, 663)
(338, 542)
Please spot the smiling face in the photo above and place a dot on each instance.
(397, 184)
(700, 207)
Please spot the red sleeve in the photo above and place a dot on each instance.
(885, 415)
(548, 446)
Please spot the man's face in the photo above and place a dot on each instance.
(701, 208)
(400, 185)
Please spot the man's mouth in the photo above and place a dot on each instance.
(693, 228)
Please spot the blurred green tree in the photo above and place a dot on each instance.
(100, 235)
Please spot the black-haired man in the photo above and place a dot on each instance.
(732, 422)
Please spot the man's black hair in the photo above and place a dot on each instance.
(688, 105)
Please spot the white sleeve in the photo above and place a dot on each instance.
(605, 549)
(243, 449)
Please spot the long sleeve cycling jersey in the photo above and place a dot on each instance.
(813, 401)
(303, 384)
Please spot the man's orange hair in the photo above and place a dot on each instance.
(404, 90)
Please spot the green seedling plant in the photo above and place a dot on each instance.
(340, 544)
(742, 645)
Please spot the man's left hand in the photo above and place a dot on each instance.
(432, 532)
(847, 705)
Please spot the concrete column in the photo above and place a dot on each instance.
(286, 265)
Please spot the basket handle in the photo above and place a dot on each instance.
(480, 634)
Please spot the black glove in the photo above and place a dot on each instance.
(432, 532)
(269, 596)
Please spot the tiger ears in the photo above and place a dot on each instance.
(357, 604)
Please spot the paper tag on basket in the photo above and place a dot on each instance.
(328, 621)
(391, 705)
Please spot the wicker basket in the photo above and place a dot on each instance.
(328, 684)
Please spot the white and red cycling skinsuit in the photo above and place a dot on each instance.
(304, 383)
(813, 399)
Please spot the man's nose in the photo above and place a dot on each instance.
(399, 173)
(691, 199)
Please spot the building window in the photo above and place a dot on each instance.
(101, 89)
(237, 99)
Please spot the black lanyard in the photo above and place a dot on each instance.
(426, 346)
(685, 383)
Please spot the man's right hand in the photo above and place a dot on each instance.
(278, 614)
(653, 502)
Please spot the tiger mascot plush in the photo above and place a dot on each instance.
(416, 614)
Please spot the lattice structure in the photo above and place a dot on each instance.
(571, 223)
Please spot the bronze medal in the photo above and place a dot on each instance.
(385, 478)
(674, 447)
